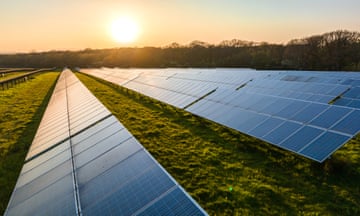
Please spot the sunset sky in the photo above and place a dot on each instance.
(41, 25)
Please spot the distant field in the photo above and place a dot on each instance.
(230, 173)
(21, 109)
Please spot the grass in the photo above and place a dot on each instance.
(21, 109)
(229, 173)
(11, 75)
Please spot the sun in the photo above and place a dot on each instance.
(124, 30)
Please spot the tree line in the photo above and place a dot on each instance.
(337, 50)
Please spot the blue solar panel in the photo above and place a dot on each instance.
(320, 98)
(262, 103)
(330, 116)
(98, 168)
(280, 103)
(353, 93)
(265, 127)
(246, 121)
(211, 107)
(254, 101)
(280, 133)
(127, 198)
(301, 138)
(223, 116)
(349, 124)
(322, 147)
(113, 160)
(291, 109)
(309, 112)
(343, 102)
(200, 107)
(355, 104)
(56, 199)
(173, 203)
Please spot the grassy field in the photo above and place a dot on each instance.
(227, 172)
(21, 109)
(11, 75)
(230, 173)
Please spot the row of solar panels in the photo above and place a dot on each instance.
(309, 113)
(83, 161)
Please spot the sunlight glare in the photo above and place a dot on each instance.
(124, 30)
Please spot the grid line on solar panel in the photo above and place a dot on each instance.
(141, 210)
(300, 138)
(349, 124)
(131, 167)
(46, 167)
(42, 150)
(102, 146)
(110, 121)
(46, 157)
(36, 152)
(53, 197)
(38, 184)
(127, 195)
(108, 160)
(330, 116)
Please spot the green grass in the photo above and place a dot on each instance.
(21, 109)
(11, 75)
(230, 173)
(227, 172)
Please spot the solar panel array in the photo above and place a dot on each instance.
(83, 161)
(309, 113)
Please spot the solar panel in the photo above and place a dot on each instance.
(324, 145)
(276, 106)
(83, 161)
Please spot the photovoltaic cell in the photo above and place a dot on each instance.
(302, 137)
(56, 199)
(323, 146)
(309, 112)
(266, 127)
(353, 93)
(40, 183)
(247, 121)
(343, 102)
(330, 116)
(291, 109)
(60, 149)
(349, 124)
(173, 203)
(280, 133)
(355, 104)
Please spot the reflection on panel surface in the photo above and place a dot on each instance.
(83, 161)
(276, 106)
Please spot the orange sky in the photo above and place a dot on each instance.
(40, 25)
